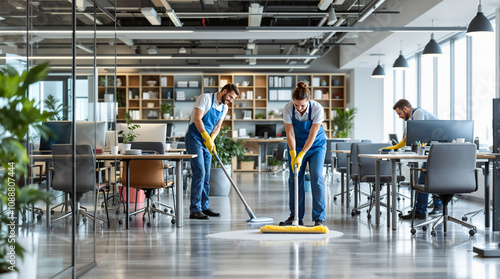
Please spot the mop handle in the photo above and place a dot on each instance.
(247, 207)
(296, 191)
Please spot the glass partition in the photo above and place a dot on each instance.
(42, 31)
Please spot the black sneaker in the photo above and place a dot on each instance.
(319, 222)
(289, 221)
(436, 211)
(211, 213)
(198, 215)
(418, 215)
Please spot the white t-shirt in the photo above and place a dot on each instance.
(422, 114)
(204, 102)
(317, 113)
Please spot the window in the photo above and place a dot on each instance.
(443, 84)
(411, 81)
(427, 84)
(483, 86)
(460, 58)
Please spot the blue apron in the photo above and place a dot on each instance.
(201, 164)
(413, 111)
(316, 157)
(302, 133)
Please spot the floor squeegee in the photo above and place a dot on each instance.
(294, 228)
(252, 219)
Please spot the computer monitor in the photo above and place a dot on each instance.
(61, 134)
(393, 138)
(427, 131)
(265, 130)
(90, 132)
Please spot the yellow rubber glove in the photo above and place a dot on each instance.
(213, 136)
(293, 154)
(298, 160)
(209, 143)
(397, 146)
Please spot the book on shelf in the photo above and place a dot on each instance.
(163, 81)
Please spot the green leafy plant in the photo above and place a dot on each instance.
(166, 108)
(17, 114)
(273, 162)
(271, 112)
(227, 148)
(344, 122)
(259, 116)
(57, 110)
(130, 135)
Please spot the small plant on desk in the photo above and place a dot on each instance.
(130, 135)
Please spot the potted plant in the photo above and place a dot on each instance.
(343, 122)
(273, 163)
(259, 116)
(247, 164)
(57, 112)
(227, 148)
(271, 114)
(129, 136)
(17, 114)
(166, 109)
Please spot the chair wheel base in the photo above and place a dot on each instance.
(472, 232)
(120, 222)
(424, 228)
(413, 231)
(173, 221)
(464, 218)
(433, 233)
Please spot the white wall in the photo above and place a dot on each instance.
(367, 95)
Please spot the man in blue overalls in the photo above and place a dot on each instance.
(303, 120)
(204, 125)
(406, 112)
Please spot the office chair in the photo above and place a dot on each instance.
(282, 155)
(328, 157)
(365, 169)
(148, 175)
(85, 177)
(450, 170)
(34, 177)
(342, 166)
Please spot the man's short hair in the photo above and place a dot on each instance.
(230, 87)
(401, 104)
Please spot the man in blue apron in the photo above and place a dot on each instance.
(204, 125)
(303, 119)
(406, 112)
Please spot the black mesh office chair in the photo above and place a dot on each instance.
(365, 169)
(281, 154)
(85, 176)
(450, 170)
(342, 166)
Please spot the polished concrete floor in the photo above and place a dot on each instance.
(364, 251)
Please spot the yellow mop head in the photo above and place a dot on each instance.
(293, 229)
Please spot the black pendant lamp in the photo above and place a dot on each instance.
(432, 48)
(401, 63)
(379, 70)
(479, 25)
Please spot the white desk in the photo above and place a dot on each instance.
(177, 158)
(394, 158)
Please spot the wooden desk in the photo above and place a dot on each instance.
(396, 157)
(262, 147)
(177, 158)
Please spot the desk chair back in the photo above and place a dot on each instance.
(342, 157)
(282, 152)
(63, 168)
(354, 160)
(367, 165)
(451, 168)
(331, 145)
(146, 174)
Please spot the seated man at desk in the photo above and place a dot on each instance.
(406, 112)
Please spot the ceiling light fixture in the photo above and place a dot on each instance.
(151, 15)
(182, 50)
(368, 11)
(332, 17)
(171, 13)
(324, 4)
(84, 48)
(401, 63)
(2, 18)
(379, 70)
(479, 25)
(152, 50)
(255, 20)
(432, 48)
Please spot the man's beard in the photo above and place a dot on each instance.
(224, 98)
